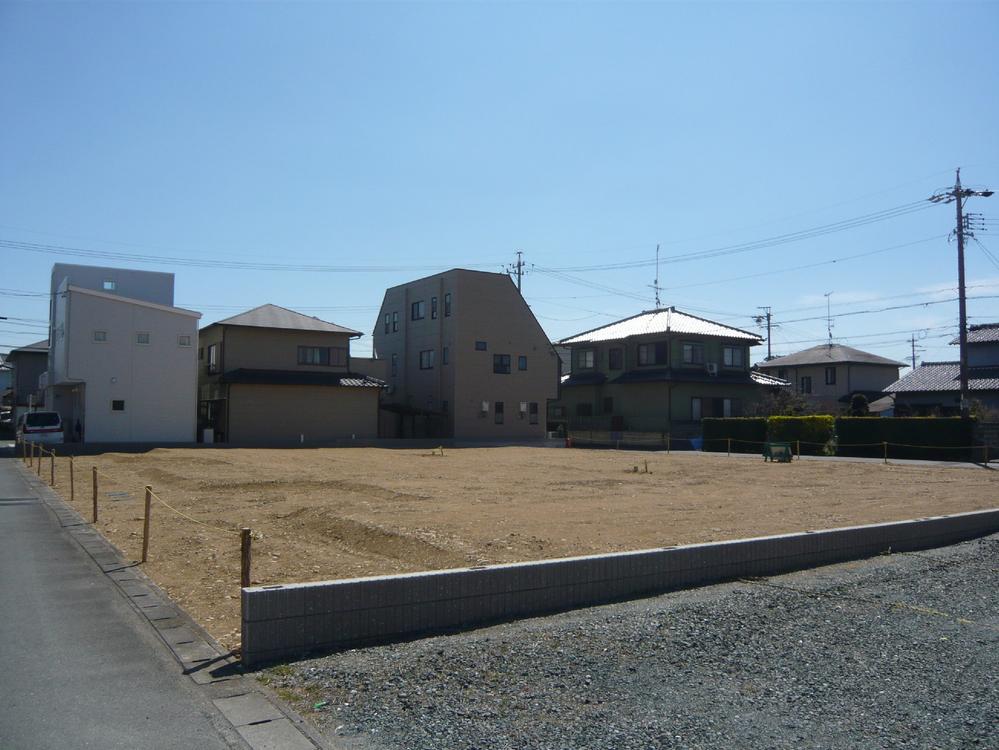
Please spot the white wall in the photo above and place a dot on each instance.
(157, 381)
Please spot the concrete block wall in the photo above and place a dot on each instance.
(296, 619)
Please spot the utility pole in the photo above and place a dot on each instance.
(913, 340)
(518, 269)
(759, 321)
(958, 195)
(829, 323)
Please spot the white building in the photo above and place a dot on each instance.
(122, 360)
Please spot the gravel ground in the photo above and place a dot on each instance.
(900, 651)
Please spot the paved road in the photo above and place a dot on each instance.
(79, 668)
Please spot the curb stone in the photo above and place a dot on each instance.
(263, 721)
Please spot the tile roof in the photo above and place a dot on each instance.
(762, 378)
(294, 377)
(983, 333)
(944, 376)
(827, 354)
(273, 316)
(667, 320)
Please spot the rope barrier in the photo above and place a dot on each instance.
(195, 520)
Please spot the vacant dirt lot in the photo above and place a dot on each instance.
(342, 513)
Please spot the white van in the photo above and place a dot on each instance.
(40, 427)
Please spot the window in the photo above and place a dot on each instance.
(100, 337)
(433, 308)
(731, 407)
(480, 346)
(693, 354)
(498, 412)
(523, 409)
(338, 356)
(388, 319)
(418, 310)
(733, 356)
(584, 410)
(533, 412)
(109, 285)
(444, 406)
(806, 383)
(782, 373)
(395, 322)
(652, 354)
(695, 409)
(615, 359)
(522, 363)
(213, 358)
(585, 359)
(183, 340)
(395, 365)
(608, 405)
(830, 376)
(445, 355)
(142, 338)
(427, 359)
(201, 353)
(501, 364)
(313, 355)
(118, 405)
(447, 305)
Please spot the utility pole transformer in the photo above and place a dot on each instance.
(518, 269)
(759, 320)
(959, 195)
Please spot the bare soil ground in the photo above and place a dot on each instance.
(341, 513)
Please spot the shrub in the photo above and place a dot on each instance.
(814, 433)
(930, 438)
(747, 433)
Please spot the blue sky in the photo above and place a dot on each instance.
(384, 142)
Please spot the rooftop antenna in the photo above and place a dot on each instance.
(655, 284)
(829, 323)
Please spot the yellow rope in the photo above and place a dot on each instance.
(195, 520)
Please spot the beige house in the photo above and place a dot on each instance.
(272, 375)
(829, 375)
(467, 359)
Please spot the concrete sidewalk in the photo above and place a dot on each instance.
(82, 667)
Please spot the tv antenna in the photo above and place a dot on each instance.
(655, 284)
(829, 323)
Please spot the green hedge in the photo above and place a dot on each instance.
(815, 433)
(930, 438)
(747, 433)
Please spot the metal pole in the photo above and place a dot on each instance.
(145, 524)
(244, 550)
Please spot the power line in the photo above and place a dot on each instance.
(764, 243)
(893, 307)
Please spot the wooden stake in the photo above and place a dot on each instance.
(884, 445)
(667, 443)
(38, 463)
(797, 446)
(72, 483)
(52, 469)
(145, 524)
(730, 447)
(95, 494)
(244, 549)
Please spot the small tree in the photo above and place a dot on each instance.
(780, 403)
(858, 405)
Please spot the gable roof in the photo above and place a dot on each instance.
(827, 354)
(945, 376)
(132, 301)
(273, 316)
(983, 333)
(667, 320)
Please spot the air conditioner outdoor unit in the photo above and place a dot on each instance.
(712, 368)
